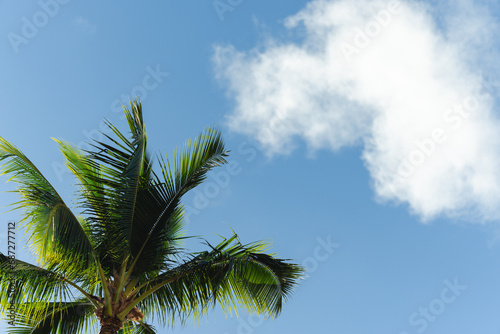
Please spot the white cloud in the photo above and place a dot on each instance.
(392, 76)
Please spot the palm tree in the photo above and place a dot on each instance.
(120, 259)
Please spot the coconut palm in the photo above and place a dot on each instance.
(120, 260)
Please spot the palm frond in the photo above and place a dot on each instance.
(158, 220)
(92, 188)
(137, 328)
(55, 231)
(22, 283)
(111, 178)
(68, 318)
(231, 274)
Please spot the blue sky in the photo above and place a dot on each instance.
(364, 140)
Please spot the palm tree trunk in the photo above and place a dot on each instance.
(110, 325)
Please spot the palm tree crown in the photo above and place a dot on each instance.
(120, 259)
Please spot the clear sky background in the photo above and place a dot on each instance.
(364, 138)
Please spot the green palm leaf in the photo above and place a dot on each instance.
(231, 274)
(68, 318)
(140, 328)
(35, 291)
(54, 230)
(158, 220)
(111, 188)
